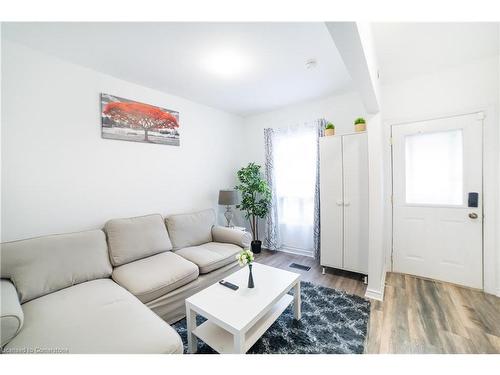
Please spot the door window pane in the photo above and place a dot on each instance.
(434, 168)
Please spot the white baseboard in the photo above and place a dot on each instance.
(374, 294)
(377, 294)
(296, 252)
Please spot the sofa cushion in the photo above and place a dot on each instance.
(43, 265)
(11, 314)
(210, 256)
(152, 277)
(191, 229)
(94, 317)
(136, 238)
(231, 235)
(172, 306)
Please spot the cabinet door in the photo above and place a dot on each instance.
(331, 201)
(355, 171)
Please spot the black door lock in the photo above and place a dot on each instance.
(473, 200)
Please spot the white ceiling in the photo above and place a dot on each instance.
(405, 50)
(176, 58)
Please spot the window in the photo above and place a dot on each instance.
(295, 173)
(434, 168)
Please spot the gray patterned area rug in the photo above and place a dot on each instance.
(333, 322)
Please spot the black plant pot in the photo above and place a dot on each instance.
(256, 247)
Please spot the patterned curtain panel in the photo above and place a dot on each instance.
(320, 125)
(272, 240)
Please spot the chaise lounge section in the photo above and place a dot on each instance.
(69, 303)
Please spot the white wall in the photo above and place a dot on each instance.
(498, 177)
(341, 110)
(462, 89)
(1, 51)
(378, 220)
(368, 44)
(377, 240)
(58, 175)
(354, 41)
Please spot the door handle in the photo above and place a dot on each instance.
(473, 215)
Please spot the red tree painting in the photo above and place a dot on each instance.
(140, 116)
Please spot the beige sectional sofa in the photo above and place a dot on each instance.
(111, 291)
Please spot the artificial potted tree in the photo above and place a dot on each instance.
(360, 124)
(329, 129)
(255, 199)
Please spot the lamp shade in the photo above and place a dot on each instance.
(228, 197)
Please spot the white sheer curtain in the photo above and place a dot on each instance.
(295, 159)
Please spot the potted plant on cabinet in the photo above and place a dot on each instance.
(360, 124)
(329, 129)
(255, 199)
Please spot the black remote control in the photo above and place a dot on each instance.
(229, 285)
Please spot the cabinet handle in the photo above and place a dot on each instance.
(347, 203)
(339, 203)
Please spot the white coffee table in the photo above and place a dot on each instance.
(237, 319)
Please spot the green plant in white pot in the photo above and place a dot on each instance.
(329, 129)
(360, 124)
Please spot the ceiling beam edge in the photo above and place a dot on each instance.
(355, 45)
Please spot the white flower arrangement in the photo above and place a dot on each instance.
(245, 257)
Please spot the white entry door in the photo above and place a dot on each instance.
(437, 199)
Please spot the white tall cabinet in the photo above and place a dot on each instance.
(344, 202)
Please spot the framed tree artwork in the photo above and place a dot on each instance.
(128, 120)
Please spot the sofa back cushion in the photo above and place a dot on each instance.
(43, 265)
(191, 229)
(136, 238)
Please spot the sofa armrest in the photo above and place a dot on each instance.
(231, 235)
(11, 313)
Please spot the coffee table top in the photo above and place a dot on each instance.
(237, 310)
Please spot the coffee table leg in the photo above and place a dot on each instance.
(191, 325)
(297, 301)
(239, 343)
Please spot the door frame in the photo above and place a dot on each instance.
(479, 116)
(490, 189)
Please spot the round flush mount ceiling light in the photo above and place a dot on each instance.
(311, 64)
(226, 63)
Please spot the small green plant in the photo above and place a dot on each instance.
(359, 120)
(330, 126)
(245, 257)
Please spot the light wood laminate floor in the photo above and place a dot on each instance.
(417, 315)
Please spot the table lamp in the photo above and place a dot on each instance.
(228, 198)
